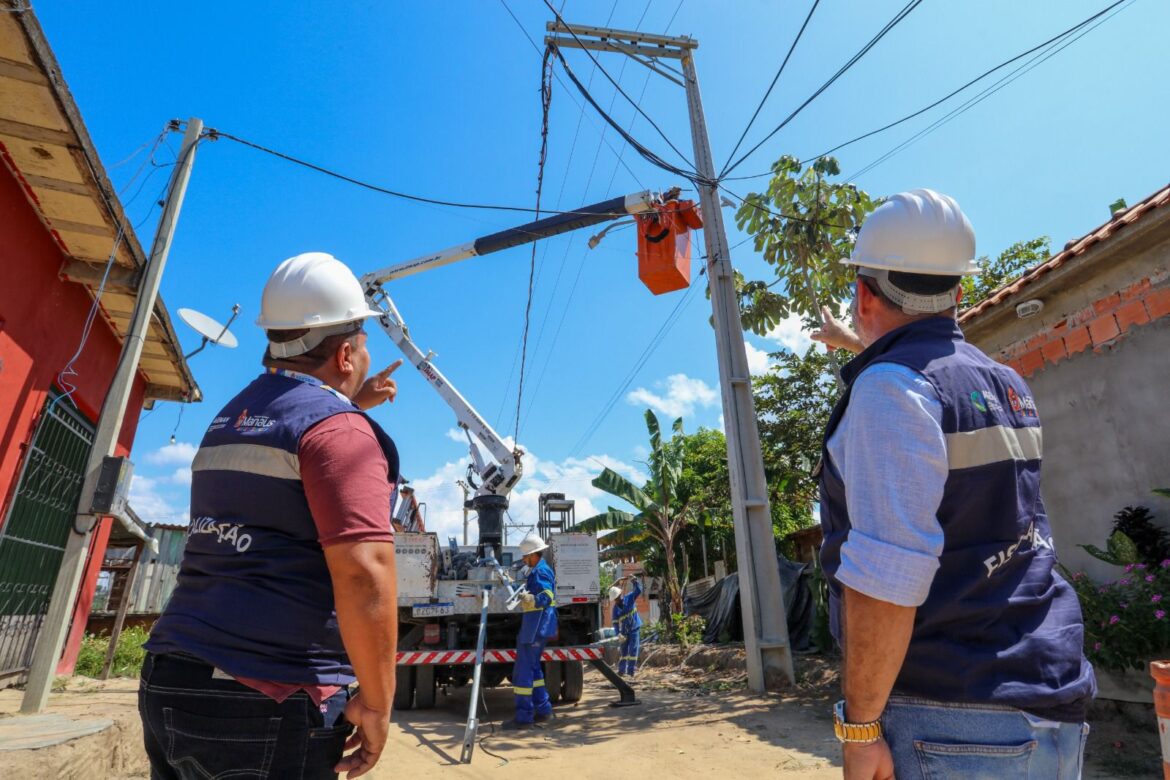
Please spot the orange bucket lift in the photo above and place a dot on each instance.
(664, 245)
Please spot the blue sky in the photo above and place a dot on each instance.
(441, 99)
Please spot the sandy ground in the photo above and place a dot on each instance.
(694, 722)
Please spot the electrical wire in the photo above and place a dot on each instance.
(618, 86)
(949, 95)
(540, 53)
(890, 25)
(1054, 46)
(771, 86)
(217, 134)
(560, 199)
(569, 243)
(646, 153)
(545, 104)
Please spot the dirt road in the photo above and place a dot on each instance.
(692, 723)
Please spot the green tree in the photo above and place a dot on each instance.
(662, 513)
(803, 225)
(1009, 266)
(793, 402)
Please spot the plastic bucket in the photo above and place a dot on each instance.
(1160, 670)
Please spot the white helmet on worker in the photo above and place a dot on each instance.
(916, 232)
(532, 544)
(615, 593)
(313, 291)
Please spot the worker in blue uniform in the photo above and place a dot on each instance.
(628, 624)
(538, 624)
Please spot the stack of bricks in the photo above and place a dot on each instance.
(1104, 323)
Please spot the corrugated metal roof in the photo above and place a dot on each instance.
(1071, 250)
(44, 142)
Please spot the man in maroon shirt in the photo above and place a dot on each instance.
(287, 590)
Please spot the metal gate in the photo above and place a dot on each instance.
(33, 537)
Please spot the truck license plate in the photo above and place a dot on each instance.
(433, 610)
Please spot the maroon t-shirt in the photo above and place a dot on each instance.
(344, 472)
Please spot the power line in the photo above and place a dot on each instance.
(1055, 46)
(545, 104)
(540, 53)
(775, 79)
(648, 155)
(572, 237)
(217, 134)
(618, 86)
(949, 95)
(890, 25)
(560, 199)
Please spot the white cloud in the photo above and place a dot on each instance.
(180, 453)
(757, 359)
(457, 435)
(572, 476)
(150, 501)
(180, 476)
(791, 335)
(682, 396)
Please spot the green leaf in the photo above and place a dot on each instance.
(1163, 492)
(606, 521)
(1122, 548)
(617, 485)
(1098, 553)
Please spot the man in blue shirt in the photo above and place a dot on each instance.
(962, 644)
(537, 625)
(628, 624)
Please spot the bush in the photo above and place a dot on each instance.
(128, 656)
(682, 630)
(1127, 622)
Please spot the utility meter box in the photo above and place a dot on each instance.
(112, 493)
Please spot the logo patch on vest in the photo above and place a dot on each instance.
(1032, 534)
(226, 533)
(246, 423)
(1021, 404)
(985, 401)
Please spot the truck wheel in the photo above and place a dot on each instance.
(403, 687)
(424, 688)
(552, 679)
(574, 684)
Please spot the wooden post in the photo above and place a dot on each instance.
(123, 606)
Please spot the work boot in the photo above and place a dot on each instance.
(541, 717)
(515, 725)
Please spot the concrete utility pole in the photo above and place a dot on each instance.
(56, 624)
(765, 624)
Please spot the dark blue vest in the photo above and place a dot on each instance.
(254, 596)
(999, 625)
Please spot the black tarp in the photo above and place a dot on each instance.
(720, 606)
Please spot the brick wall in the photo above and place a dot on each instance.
(1106, 321)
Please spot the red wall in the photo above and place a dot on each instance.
(41, 318)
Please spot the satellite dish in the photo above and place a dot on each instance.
(210, 329)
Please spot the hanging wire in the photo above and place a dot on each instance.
(545, 104)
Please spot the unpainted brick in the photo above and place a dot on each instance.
(1077, 340)
(1130, 314)
(1136, 290)
(1031, 362)
(1053, 351)
(1158, 303)
(1107, 304)
(1104, 329)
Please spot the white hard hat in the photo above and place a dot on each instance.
(917, 232)
(532, 544)
(614, 593)
(312, 290)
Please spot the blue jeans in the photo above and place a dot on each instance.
(930, 739)
(197, 726)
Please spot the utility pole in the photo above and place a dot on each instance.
(765, 625)
(56, 624)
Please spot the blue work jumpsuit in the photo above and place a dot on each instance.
(537, 626)
(628, 623)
